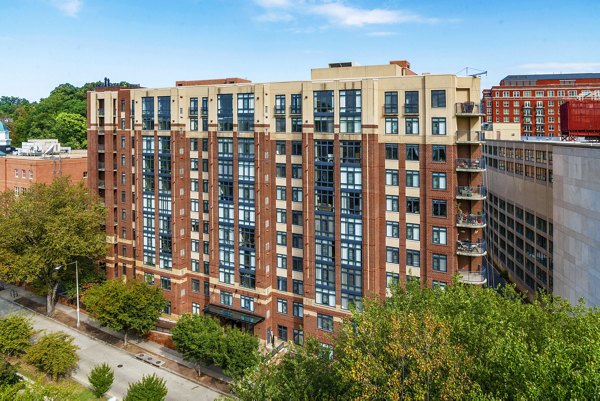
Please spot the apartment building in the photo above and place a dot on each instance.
(534, 101)
(543, 226)
(277, 206)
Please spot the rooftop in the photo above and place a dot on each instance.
(74, 154)
(532, 79)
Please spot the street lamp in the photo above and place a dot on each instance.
(76, 283)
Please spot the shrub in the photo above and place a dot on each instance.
(8, 374)
(15, 334)
(54, 354)
(101, 378)
(149, 388)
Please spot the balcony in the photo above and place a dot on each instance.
(468, 109)
(295, 110)
(475, 165)
(472, 277)
(469, 137)
(470, 193)
(470, 220)
(279, 111)
(390, 110)
(411, 109)
(466, 248)
(100, 112)
(193, 111)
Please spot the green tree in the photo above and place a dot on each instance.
(132, 306)
(54, 354)
(15, 334)
(241, 352)
(10, 104)
(8, 374)
(70, 129)
(199, 339)
(45, 227)
(101, 378)
(37, 391)
(149, 388)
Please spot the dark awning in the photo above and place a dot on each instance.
(234, 315)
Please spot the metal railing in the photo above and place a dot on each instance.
(470, 248)
(468, 109)
(475, 192)
(467, 136)
(193, 111)
(470, 220)
(472, 277)
(296, 110)
(470, 164)
(279, 110)
(390, 109)
(411, 109)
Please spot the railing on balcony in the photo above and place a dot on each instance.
(296, 110)
(466, 136)
(390, 109)
(411, 109)
(470, 165)
(279, 110)
(101, 184)
(470, 220)
(100, 165)
(466, 248)
(101, 147)
(472, 277)
(468, 109)
(100, 112)
(470, 192)
(193, 111)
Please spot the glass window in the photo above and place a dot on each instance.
(440, 235)
(391, 151)
(324, 322)
(412, 152)
(412, 205)
(412, 125)
(438, 98)
(439, 207)
(438, 153)
(440, 263)
(438, 125)
(391, 125)
(282, 306)
(438, 180)
(413, 258)
(413, 231)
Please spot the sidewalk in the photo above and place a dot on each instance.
(67, 315)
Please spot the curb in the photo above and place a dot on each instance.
(111, 345)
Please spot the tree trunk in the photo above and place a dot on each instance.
(51, 300)
(125, 339)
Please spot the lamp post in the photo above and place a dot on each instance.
(76, 284)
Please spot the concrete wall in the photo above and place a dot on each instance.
(576, 199)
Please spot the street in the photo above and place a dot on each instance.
(127, 369)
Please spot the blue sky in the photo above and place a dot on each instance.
(48, 42)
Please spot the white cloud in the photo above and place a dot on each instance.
(551, 67)
(68, 7)
(381, 33)
(337, 12)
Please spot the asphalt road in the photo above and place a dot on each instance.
(127, 369)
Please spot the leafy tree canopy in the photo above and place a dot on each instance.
(45, 227)
(15, 334)
(54, 354)
(149, 388)
(132, 306)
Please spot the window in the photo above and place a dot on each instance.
(391, 177)
(412, 179)
(391, 279)
(297, 217)
(391, 125)
(296, 124)
(438, 153)
(438, 98)
(279, 104)
(411, 102)
(247, 303)
(412, 152)
(298, 309)
(391, 102)
(412, 205)
(438, 125)
(226, 298)
(296, 194)
(280, 170)
(438, 180)
(296, 148)
(282, 306)
(297, 264)
(298, 336)
(165, 283)
(281, 238)
(298, 287)
(440, 235)
(391, 203)
(412, 126)
(195, 285)
(324, 322)
(280, 147)
(392, 255)
(391, 151)
(297, 171)
(413, 258)
(297, 241)
(281, 215)
(282, 283)
(281, 261)
(282, 332)
(280, 193)
(440, 263)
(391, 229)
(439, 208)
(413, 231)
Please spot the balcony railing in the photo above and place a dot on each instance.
(101, 147)
(411, 109)
(468, 192)
(296, 110)
(193, 111)
(466, 248)
(100, 112)
(466, 136)
(101, 184)
(100, 165)
(470, 165)
(470, 220)
(472, 277)
(390, 109)
(279, 110)
(468, 109)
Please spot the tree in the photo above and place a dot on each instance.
(241, 352)
(149, 388)
(15, 334)
(45, 227)
(8, 374)
(54, 354)
(132, 306)
(37, 391)
(101, 378)
(199, 339)
(70, 129)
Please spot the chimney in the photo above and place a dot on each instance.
(401, 63)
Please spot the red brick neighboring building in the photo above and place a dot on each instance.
(534, 100)
(275, 206)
